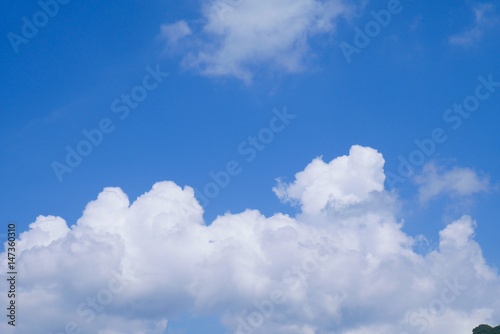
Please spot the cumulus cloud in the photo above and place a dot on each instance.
(435, 181)
(344, 181)
(344, 265)
(237, 35)
(484, 19)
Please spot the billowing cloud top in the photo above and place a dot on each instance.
(342, 266)
(344, 181)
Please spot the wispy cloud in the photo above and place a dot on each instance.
(435, 181)
(173, 33)
(484, 19)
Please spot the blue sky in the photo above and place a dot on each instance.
(229, 65)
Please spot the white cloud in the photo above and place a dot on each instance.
(344, 181)
(237, 35)
(175, 32)
(42, 232)
(344, 265)
(435, 181)
(484, 18)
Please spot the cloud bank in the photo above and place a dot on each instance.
(343, 265)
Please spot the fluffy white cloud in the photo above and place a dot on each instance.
(343, 266)
(458, 181)
(42, 232)
(484, 18)
(344, 181)
(237, 35)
